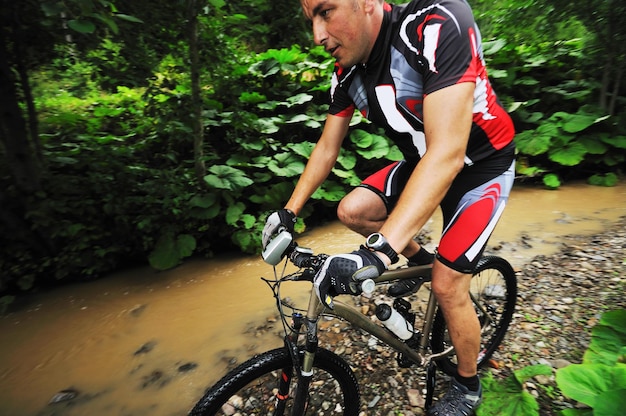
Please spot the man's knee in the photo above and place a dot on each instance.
(361, 206)
(449, 286)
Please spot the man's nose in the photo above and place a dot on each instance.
(319, 33)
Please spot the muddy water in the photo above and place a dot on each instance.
(121, 343)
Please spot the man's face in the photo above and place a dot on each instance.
(342, 27)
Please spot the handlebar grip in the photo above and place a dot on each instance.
(368, 286)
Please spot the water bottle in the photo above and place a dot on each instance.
(394, 321)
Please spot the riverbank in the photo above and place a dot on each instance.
(560, 299)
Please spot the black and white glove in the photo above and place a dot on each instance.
(344, 273)
(282, 219)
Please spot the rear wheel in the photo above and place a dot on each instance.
(253, 388)
(494, 291)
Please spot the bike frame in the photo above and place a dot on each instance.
(359, 320)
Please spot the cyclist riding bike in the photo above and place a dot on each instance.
(416, 70)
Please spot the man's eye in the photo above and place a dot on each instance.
(325, 13)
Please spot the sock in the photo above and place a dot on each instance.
(472, 383)
(422, 257)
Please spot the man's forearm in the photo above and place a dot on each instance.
(320, 164)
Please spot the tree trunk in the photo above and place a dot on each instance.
(614, 95)
(196, 102)
(22, 164)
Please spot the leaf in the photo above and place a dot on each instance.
(303, 149)
(610, 403)
(226, 177)
(551, 181)
(579, 122)
(234, 212)
(330, 191)
(169, 250)
(361, 138)
(610, 179)
(269, 125)
(531, 143)
(586, 382)
(346, 159)
(81, 26)
(608, 338)
(394, 154)
(299, 99)
(528, 372)
(507, 397)
(570, 155)
(619, 141)
(286, 165)
(128, 18)
(592, 145)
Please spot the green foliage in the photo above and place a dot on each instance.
(509, 396)
(560, 130)
(600, 381)
(115, 122)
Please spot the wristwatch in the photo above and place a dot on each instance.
(378, 242)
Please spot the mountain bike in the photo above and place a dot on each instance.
(304, 378)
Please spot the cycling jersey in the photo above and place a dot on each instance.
(423, 46)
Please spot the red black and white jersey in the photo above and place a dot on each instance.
(423, 46)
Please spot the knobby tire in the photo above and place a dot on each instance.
(236, 394)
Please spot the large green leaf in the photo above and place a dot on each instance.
(233, 213)
(204, 207)
(81, 26)
(170, 250)
(347, 159)
(587, 382)
(593, 145)
(579, 122)
(507, 397)
(227, 177)
(617, 141)
(608, 338)
(330, 191)
(531, 143)
(286, 165)
(570, 155)
(610, 403)
(303, 149)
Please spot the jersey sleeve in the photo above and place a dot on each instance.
(340, 102)
(448, 39)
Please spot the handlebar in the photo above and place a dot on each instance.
(302, 258)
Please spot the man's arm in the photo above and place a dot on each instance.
(447, 122)
(320, 164)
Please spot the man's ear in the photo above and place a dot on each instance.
(371, 6)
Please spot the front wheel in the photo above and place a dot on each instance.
(494, 292)
(254, 387)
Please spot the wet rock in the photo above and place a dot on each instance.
(187, 367)
(156, 378)
(146, 348)
(64, 396)
(138, 310)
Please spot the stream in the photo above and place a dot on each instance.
(143, 342)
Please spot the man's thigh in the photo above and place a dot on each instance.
(471, 210)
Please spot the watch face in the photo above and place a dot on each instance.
(374, 240)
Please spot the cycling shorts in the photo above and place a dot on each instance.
(471, 208)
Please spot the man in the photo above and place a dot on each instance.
(418, 71)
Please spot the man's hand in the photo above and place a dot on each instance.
(344, 273)
(276, 222)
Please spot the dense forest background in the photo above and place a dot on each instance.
(135, 132)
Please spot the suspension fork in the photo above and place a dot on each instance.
(301, 397)
(286, 374)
